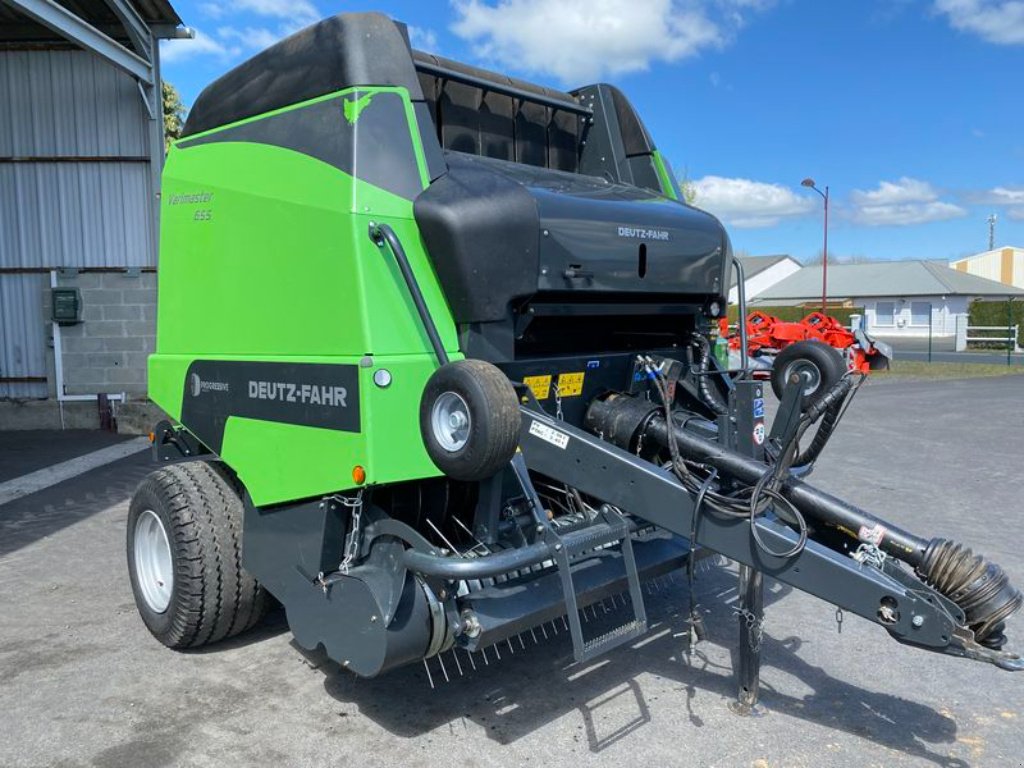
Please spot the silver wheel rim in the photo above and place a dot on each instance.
(153, 569)
(812, 370)
(450, 421)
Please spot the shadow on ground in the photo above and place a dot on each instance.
(33, 517)
(521, 692)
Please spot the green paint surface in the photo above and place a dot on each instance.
(277, 265)
(669, 187)
(354, 107)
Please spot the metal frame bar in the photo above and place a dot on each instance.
(653, 494)
(138, 31)
(73, 28)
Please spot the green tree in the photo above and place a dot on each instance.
(174, 114)
(688, 188)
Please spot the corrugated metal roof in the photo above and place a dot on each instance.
(15, 26)
(885, 278)
(23, 351)
(68, 103)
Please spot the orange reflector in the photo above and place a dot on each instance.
(358, 475)
(152, 437)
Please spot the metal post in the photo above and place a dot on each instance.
(931, 313)
(748, 672)
(824, 261)
(1009, 330)
(747, 422)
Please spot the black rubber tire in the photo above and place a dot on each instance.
(826, 360)
(213, 597)
(493, 424)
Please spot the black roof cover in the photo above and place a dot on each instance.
(343, 51)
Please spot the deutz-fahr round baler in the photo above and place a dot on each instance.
(435, 344)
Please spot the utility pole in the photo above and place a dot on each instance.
(992, 231)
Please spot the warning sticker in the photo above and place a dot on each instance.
(759, 434)
(549, 435)
(570, 384)
(873, 535)
(539, 385)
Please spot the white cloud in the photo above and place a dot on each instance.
(252, 38)
(422, 38)
(746, 204)
(300, 12)
(1009, 196)
(581, 40)
(901, 203)
(1002, 195)
(173, 51)
(996, 21)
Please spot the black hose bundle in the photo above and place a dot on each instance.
(981, 589)
(707, 392)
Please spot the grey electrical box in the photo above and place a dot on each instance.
(67, 305)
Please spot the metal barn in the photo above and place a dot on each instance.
(81, 148)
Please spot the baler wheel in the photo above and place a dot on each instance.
(185, 556)
(469, 419)
(824, 364)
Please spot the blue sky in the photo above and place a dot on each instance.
(910, 110)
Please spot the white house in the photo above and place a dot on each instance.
(762, 272)
(900, 298)
(1005, 265)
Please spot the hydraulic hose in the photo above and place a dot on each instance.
(980, 588)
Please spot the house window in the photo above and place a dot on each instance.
(920, 312)
(884, 311)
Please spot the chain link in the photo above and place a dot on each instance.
(558, 403)
(755, 627)
(839, 621)
(870, 554)
(352, 542)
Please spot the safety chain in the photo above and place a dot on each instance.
(870, 554)
(755, 627)
(352, 542)
(558, 403)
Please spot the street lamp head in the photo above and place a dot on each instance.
(808, 182)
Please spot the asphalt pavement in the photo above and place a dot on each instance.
(82, 683)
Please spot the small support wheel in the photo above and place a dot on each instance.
(823, 365)
(469, 419)
(184, 552)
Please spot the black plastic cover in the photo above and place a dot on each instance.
(340, 52)
(481, 230)
(498, 231)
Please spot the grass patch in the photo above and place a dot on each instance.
(920, 369)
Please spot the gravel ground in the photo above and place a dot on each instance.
(82, 682)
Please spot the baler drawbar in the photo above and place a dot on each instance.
(435, 347)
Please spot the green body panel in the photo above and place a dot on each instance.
(265, 256)
(668, 185)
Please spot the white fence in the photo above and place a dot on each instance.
(1009, 334)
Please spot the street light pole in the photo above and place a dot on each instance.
(824, 254)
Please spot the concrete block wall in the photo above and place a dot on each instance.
(107, 351)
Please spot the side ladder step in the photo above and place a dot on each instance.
(613, 530)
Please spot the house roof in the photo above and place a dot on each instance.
(885, 278)
(753, 265)
(983, 254)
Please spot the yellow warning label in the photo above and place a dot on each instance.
(541, 386)
(570, 384)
